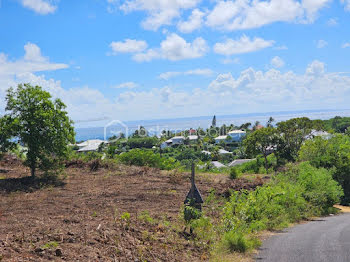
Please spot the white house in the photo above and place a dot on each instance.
(237, 135)
(217, 164)
(220, 139)
(239, 162)
(224, 152)
(206, 152)
(176, 140)
(315, 133)
(90, 145)
(193, 138)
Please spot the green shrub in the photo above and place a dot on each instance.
(139, 157)
(332, 154)
(239, 242)
(233, 173)
(319, 188)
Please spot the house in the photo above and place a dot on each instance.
(176, 140)
(315, 133)
(206, 152)
(193, 138)
(90, 142)
(90, 145)
(224, 152)
(220, 139)
(239, 162)
(166, 144)
(217, 164)
(237, 135)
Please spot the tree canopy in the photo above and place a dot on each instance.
(39, 123)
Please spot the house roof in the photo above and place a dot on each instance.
(217, 164)
(237, 132)
(239, 162)
(206, 152)
(193, 137)
(223, 152)
(221, 138)
(93, 147)
(178, 137)
(91, 142)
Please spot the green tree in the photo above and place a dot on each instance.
(293, 133)
(6, 128)
(270, 121)
(333, 154)
(213, 122)
(40, 124)
(260, 141)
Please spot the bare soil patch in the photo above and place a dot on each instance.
(82, 217)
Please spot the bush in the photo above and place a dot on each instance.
(234, 241)
(139, 157)
(319, 188)
(300, 192)
(233, 173)
(257, 166)
(332, 154)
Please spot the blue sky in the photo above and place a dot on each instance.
(148, 59)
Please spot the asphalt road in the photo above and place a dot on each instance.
(324, 240)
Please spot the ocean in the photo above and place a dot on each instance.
(154, 127)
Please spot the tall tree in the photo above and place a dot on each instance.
(41, 124)
(213, 122)
(270, 121)
(293, 133)
(260, 142)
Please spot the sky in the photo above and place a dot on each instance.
(151, 59)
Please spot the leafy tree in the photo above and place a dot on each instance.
(6, 128)
(245, 126)
(260, 141)
(270, 121)
(40, 124)
(338, 124)
(333, 154)
(293, 133)
(257, 123)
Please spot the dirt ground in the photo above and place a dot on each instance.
(118, 213)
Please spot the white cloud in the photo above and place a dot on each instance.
(21, 70)
(316, 68)
(160, 12)
(198, 72)
(332, 22)
(32, 61)
(194, 22)
(241, 46)
(346, 45)
(277, 62)
(174, 48)
(128, 46)
(247, 14)
(283, 47)
(40, 6)
(128, 85)
(347, 4)
(228, 60)
(251, 91)
(322, 43)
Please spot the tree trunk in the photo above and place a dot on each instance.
(32, 171)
